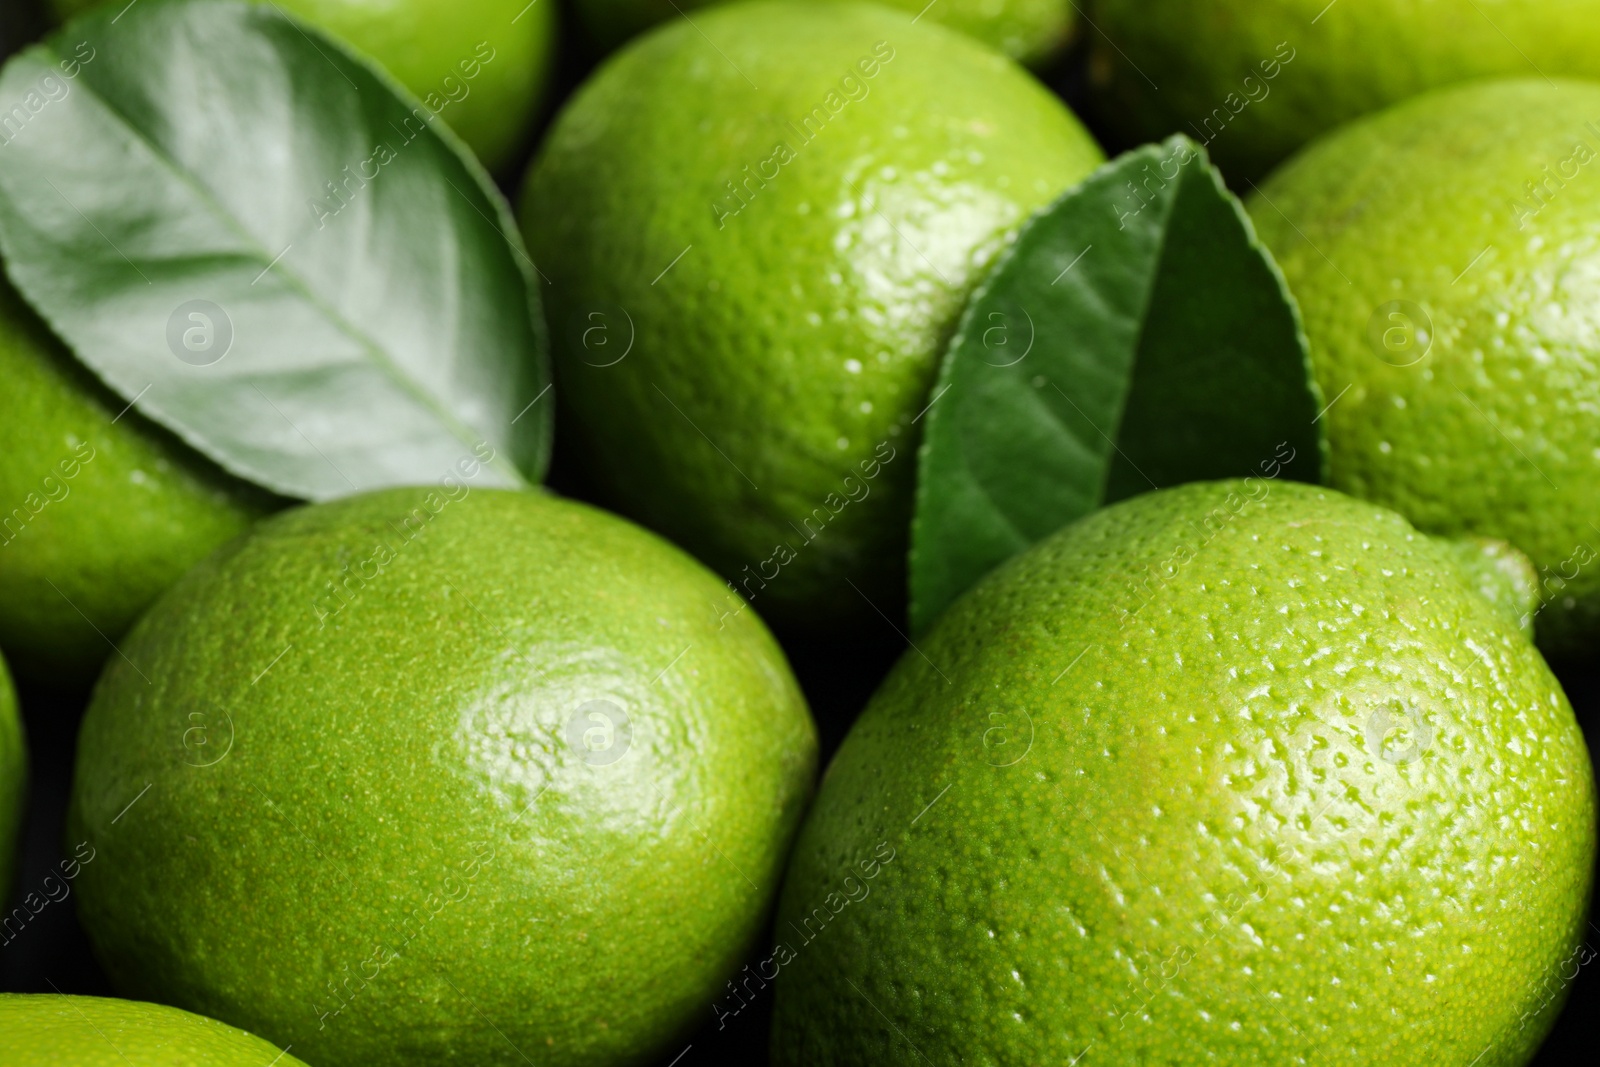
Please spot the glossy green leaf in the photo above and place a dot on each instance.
(1136, 336)
(263, 243)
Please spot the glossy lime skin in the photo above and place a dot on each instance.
(480, 65)
(13, 779)
(1029, 31)
(1486, 422)
(100, 509)
(1205, 58)
(384, 823)
(57, 1031)
(1154, 791)
(743, 371)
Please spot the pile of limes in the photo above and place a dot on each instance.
(1231, 772)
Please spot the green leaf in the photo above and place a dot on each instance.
(1136, 336)
(263, 243)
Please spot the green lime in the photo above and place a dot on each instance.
(759, 231)
(480, 65)
(100, 510)
(1029, 31)
(430, 776)
(1502, 575)
(13, 784)
(57, 1031)
(1256, 79)
(1446, 258)
(1239, 772)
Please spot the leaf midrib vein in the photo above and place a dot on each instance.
(1159, 260)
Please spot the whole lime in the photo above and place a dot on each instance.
(58, 1031)
(1238, 772)
(1256, 79)
(480, 65)
(1029, 31)
(419, 777)
(102, 510)
(13, 782)
(759, 231)
(1446, 258)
